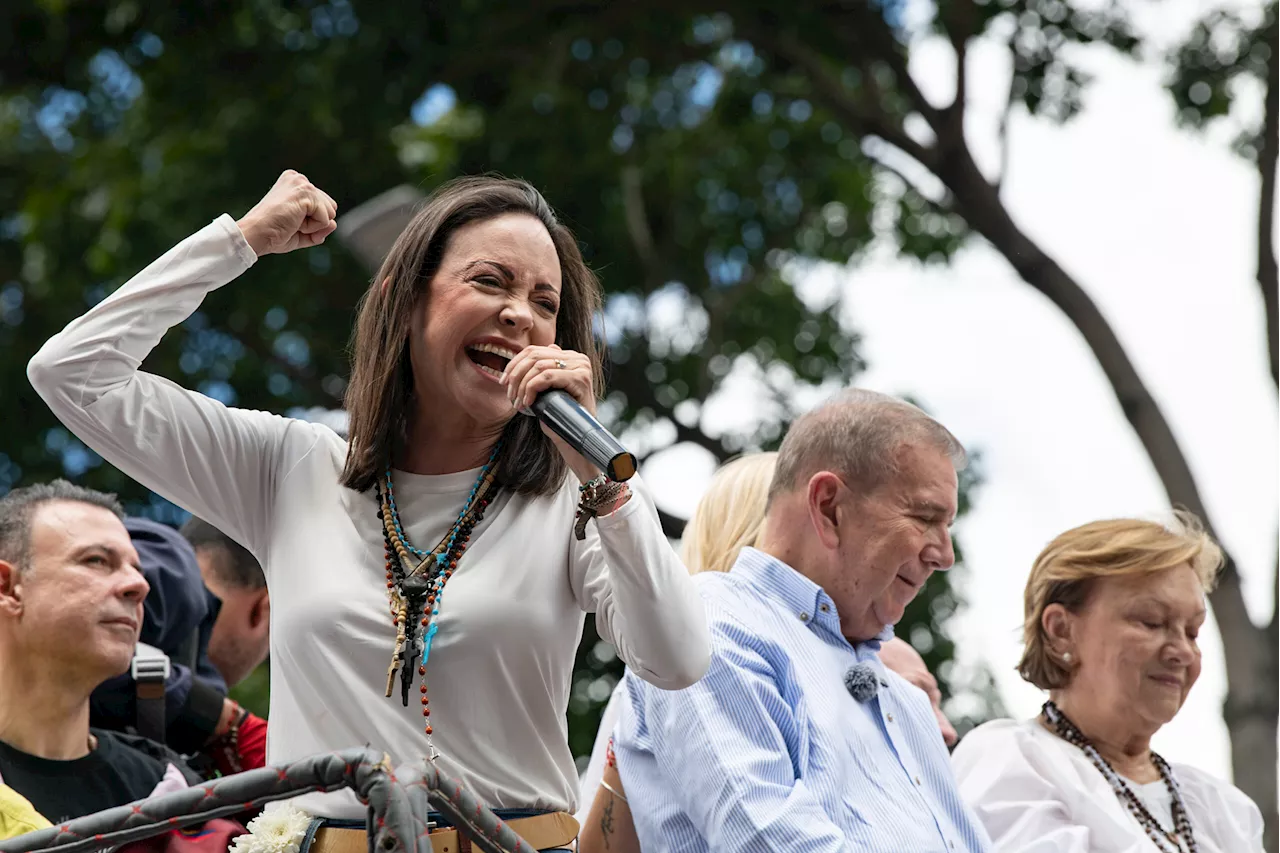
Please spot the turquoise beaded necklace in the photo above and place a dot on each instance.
(416, 579)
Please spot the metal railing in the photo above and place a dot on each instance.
(400, 801)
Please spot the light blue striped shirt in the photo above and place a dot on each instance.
(770, 752)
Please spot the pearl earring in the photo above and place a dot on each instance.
(1066, 657)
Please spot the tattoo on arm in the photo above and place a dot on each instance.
(606, 822)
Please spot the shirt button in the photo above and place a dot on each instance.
(952, 844)
(890, 716)
(917, 781)
(804, 617)
(825, 608)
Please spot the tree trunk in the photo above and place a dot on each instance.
(1251, 707)
(1267, 156)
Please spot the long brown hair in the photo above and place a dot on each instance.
(380, 396)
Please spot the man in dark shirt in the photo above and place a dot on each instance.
(117, 769)
(71, 601)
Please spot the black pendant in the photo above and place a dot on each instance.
(414, 586)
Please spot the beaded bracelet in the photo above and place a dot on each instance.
(229, 743)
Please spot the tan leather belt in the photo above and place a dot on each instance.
(544, 831)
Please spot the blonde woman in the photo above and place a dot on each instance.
(1112, 610)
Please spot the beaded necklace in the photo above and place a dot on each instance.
(416, 580)
(1180, 835)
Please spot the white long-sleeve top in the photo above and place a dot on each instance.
(501, 665)
(1036, 793)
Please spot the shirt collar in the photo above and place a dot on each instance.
(797, 593)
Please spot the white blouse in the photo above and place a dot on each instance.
(501, 665)
(1036, 793)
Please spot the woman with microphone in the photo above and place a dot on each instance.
(427, 583)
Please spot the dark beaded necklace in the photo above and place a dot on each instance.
(1181, 839)
(416, 580)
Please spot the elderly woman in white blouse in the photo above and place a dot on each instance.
(1112, 613)
(438, 548)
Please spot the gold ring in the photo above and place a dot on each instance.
(560, 364)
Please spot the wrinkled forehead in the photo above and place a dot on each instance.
(63, 528)
(925, 476)
(514, 245)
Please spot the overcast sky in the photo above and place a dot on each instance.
(1158, 226)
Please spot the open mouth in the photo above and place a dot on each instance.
(490, 358)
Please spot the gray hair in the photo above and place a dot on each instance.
(232, 563)
(857, 434)
(19, 505)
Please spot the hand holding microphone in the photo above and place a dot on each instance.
(557, 387)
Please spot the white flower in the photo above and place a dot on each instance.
(279, 829)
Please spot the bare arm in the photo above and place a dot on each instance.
(608, 827)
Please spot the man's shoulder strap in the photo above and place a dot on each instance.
(150, 670)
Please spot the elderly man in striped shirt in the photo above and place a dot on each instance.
(798, 738)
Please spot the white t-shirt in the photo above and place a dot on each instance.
(1036, 793)
(501, 665)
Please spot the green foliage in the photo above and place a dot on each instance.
(1223, 50)
(254, 693)
(704, 156)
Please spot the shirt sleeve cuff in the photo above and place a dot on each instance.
(242, 248)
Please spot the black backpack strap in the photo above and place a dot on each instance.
(150, 671)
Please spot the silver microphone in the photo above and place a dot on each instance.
(568, 419)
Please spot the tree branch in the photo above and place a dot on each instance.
(861, 120)
(872, 35)
(959, 19)
(637, 218)
(1273, 629)
(976, 200)
(640, 394)
(955, 112)
(987, 215)
(692, 435)
(1268, 153)
(1251, 658)
(898, 173)
(1003, 129)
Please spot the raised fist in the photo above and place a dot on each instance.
(294, 214)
